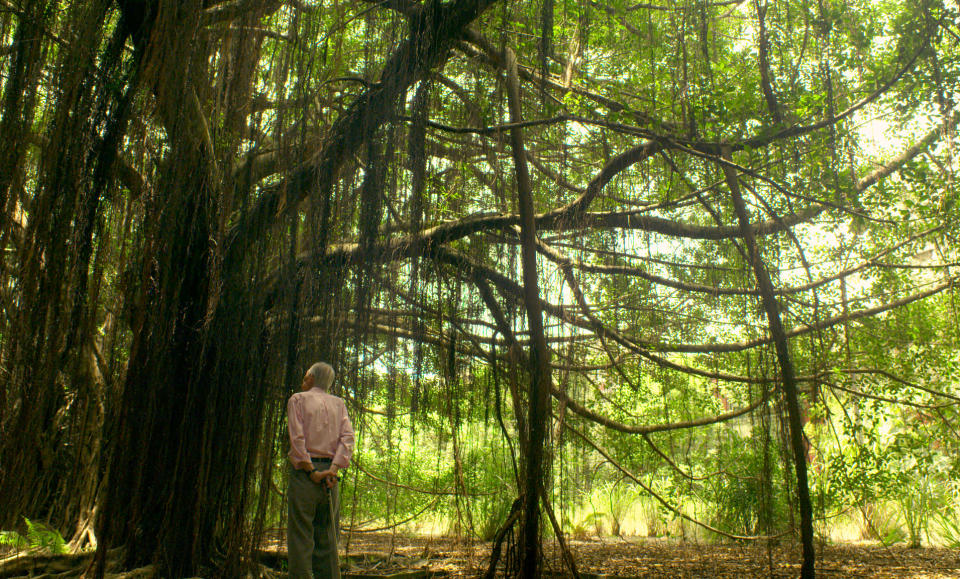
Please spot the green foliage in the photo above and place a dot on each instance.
(947, 527)
(920, 471)
(655, 516)
(13, 539)
(39, 537)
(417, 478)
(611, 502)
(749, 500)
(492, 488)
(945, 522)
(882, 522)
(589, 525)
(493, 511)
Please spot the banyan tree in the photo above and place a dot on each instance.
(534, 216)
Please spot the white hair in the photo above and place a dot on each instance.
(323, 375)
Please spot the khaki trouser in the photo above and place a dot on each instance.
(313, 516)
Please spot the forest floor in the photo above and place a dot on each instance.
(409, 557)
(379, 556)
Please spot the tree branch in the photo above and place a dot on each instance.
(432, 32)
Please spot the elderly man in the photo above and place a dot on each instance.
(321, 443)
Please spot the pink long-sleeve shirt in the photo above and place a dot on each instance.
(319, 428)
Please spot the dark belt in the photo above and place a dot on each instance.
(321, 459)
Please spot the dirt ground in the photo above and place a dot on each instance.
(650, 558)
(378, 556)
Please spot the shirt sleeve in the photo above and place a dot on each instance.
(298, 444)
(345, 441)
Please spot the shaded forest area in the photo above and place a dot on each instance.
(683, 270)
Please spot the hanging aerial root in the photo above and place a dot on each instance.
(558, 532)
(515, 511)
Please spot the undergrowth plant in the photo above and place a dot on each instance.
(39, 537)
(747, 500)
(946, 521)
(947, 526)
(881, 522)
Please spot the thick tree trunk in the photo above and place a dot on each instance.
(157, 469)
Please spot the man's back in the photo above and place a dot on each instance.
(319, 419)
